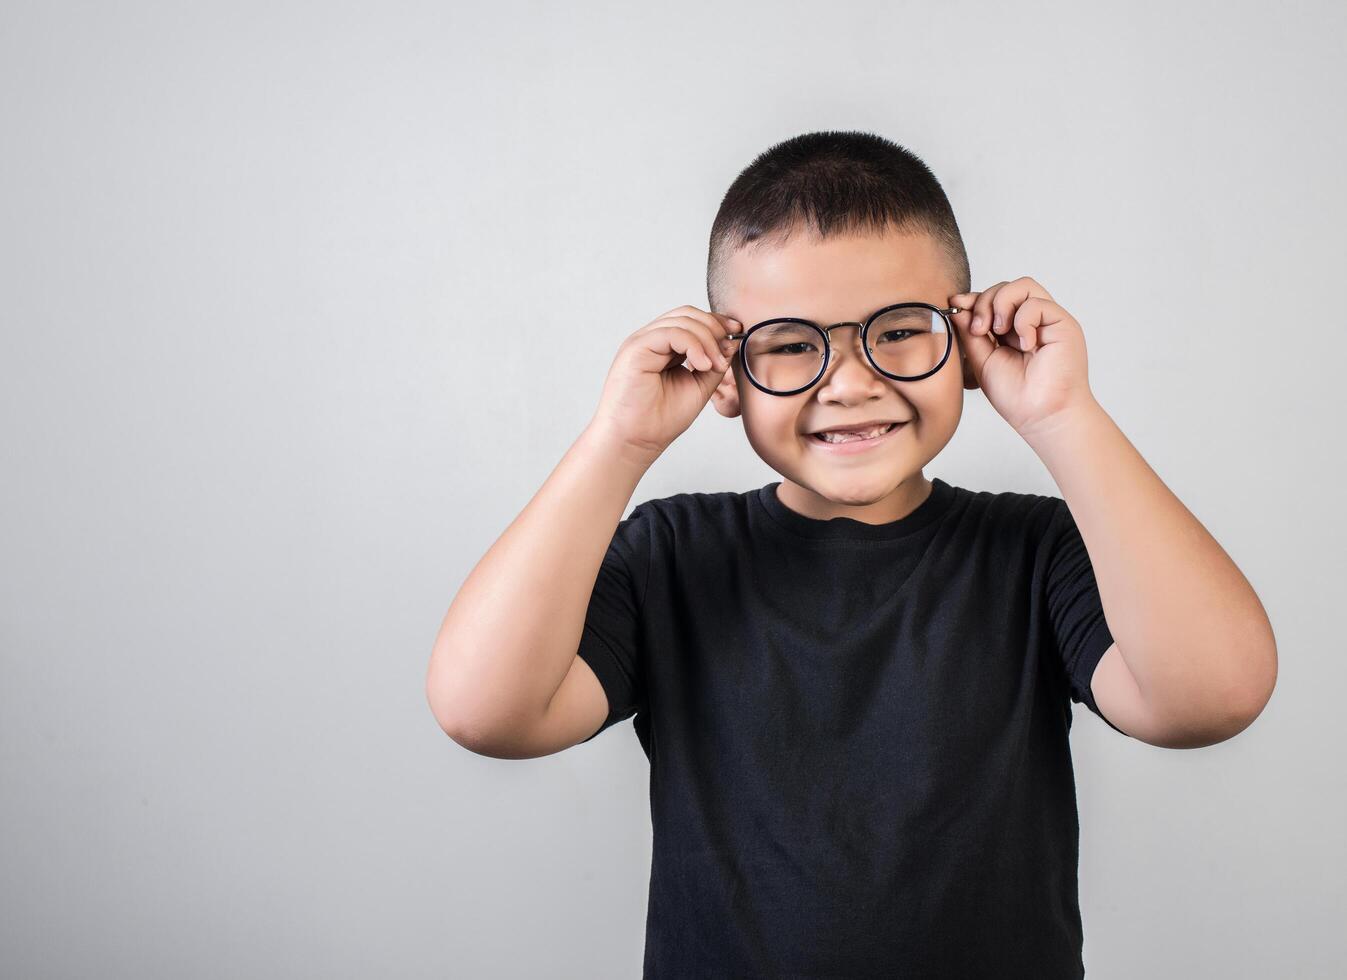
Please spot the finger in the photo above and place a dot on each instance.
(710, 336)
(964, 318)
(964, 301)
(726, 325)
(732, 326)
(1036, 288)
(672, 344)
(712, 357)
(1009, 298)
(709, 381)
(982, 309)
(721, 324)
(976, 348)
(718, 322)
(1034, 321)
(709, 346)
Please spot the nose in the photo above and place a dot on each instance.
(847, 363)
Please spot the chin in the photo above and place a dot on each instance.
(851, 492)
(852, 489)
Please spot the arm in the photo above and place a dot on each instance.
(505, 678)
(509, 639)
(1195, 659)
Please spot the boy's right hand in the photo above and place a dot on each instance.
(649, 399)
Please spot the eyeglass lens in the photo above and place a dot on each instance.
(904, 343)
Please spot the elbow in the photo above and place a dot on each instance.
(1248, 703)
(442, 712)
(457, 724)
(1261, 675)
(475, 739)
(1209, 713)
(1242, 705)
(443, 702)
(1248, 692)
(1252, 695)
(470, 720)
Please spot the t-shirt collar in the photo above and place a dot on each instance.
(846, 528)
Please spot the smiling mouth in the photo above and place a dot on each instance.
(841, 438)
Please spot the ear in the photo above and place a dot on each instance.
(726, 395)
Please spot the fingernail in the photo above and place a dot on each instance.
(977, 324)
(996, 322)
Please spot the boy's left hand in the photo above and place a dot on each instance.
(1025, 352)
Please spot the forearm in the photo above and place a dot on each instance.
(1187, 622)
(512, 631)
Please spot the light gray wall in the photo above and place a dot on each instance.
(265, 271)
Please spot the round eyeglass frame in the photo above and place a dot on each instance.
(945, 314)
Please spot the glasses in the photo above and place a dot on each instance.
(905, 342)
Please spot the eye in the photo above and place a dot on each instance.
(786, 348)
(889, 336)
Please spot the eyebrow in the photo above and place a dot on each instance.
(820, 323)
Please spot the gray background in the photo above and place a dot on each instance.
(265, 275)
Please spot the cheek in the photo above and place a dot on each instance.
(771, 429)
(771, 424)
(770, 416)
(942, 393)
(941, 406)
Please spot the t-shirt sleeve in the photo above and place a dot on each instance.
(611, 640)
(1074, 608)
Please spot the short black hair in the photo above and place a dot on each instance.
(837, 183)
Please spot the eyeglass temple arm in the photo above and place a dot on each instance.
(740, 336)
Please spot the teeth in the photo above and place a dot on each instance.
(855, 436)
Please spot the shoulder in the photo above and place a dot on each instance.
(695, 510)
(1017, 514)
(1012, 502)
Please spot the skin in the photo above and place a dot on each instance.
(843, 278)
(1195, 658)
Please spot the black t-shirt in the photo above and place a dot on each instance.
(857, 734)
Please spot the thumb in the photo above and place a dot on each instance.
(710, 380)
(976, 349)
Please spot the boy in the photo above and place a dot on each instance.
(854, 684)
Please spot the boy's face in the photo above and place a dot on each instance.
(844, 278)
